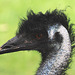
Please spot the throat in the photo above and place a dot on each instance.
(55, 62)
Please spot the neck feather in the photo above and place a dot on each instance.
(58, 59)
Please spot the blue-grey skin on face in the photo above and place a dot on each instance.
(52, 30)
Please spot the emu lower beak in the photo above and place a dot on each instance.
(15, 44)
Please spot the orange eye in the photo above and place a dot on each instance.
(39, 36)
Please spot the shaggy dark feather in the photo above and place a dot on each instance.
(40, 21)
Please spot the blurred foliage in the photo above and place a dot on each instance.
(11, 11)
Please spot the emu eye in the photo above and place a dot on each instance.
(39, 36)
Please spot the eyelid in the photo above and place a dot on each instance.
(39, 37)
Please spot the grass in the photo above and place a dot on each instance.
(26, 63)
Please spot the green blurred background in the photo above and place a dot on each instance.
(24, 62)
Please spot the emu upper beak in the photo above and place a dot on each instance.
(16, 44)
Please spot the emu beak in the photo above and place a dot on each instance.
(15, 44)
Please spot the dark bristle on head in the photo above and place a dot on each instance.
(40, 20)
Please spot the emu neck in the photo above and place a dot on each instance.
(57, 60)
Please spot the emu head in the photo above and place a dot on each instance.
(39, 32)
(47, 33)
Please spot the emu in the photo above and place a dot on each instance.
(47, 33)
